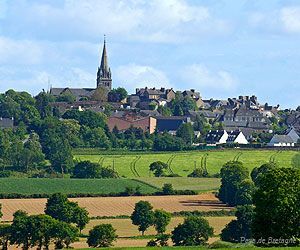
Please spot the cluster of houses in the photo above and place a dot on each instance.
(240, 117)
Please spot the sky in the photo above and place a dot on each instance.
(222, 48)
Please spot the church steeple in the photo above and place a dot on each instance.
(104, 73)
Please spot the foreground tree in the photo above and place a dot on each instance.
(194, 231)
(239, 229)
(5, 232)
(142, 216)
(102, 236)
(277, 202)
(233, 173)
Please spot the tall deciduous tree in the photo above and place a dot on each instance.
(102, 236)
(161, 220)
(142, 215)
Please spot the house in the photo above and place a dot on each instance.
(123, 123)
(216, 137)
(170, 123)
(147, 94)
(236, 137)
(291, 132)
(281, 141)
(79, 94)
(6, 123)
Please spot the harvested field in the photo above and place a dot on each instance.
(125, 228)
(113, 206)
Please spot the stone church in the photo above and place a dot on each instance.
(103, 83)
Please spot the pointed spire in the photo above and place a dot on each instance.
(104, 62)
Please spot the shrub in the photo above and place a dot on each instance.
(102, 236)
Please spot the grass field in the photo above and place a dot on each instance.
(185, 183)
(28, 186)
(193, 248)
(137, 165)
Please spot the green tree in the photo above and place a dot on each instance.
(239, 229)
(102, 236)
(277, 200)
(186, 133)
(65, 234)
(95, 137)
(5, 231)
(168, 189)
(232, 174)
(158, 168)
(117, 95)
(86, 170)
(194, 231)
(43, 100)
(244, 193)
(66, 97)
(161, 221)
(257, 172)
(20, 230)
(142, 216)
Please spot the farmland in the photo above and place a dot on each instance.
(136, 164)
(114, 206)
(29, 186)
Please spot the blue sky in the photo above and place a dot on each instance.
(222, 48)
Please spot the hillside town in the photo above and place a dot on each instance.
(237, 120)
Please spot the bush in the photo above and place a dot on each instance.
(167, 189)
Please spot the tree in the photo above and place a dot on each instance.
(257, 172)
(43, 100)
(117, 95)
(59, 207)
(161, 220)
(65, 234)
(240, 228)
(66, 97)
(95, 137)
(186, 133)
(100, 94)
(142, 215)
(158, 168)
(102, 236)
(168, 189)
(21, 230)
(167, 142)
(194, 231)
(232, 175)
(86, 170)
(244, 193)
(5, 232)
(277, 200)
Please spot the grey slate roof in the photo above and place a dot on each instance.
(232, 135)
(214, 136)
(77, 92)
(281, 139)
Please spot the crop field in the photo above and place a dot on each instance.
(114, 206)
(29, 186)
(182, 163)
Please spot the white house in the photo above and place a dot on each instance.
(236, 136)
(216, 137)
(293, 134)
(281, 141)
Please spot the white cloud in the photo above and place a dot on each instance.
(136, 76)
(290, 17)
(18, 52)
(200, 76)
(168, 21)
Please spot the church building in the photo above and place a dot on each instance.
(103, 81)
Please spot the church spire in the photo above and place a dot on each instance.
(104, 62)
(104, 74)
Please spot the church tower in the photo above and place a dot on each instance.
(104, 73)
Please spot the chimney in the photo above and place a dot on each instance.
(193, 90)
